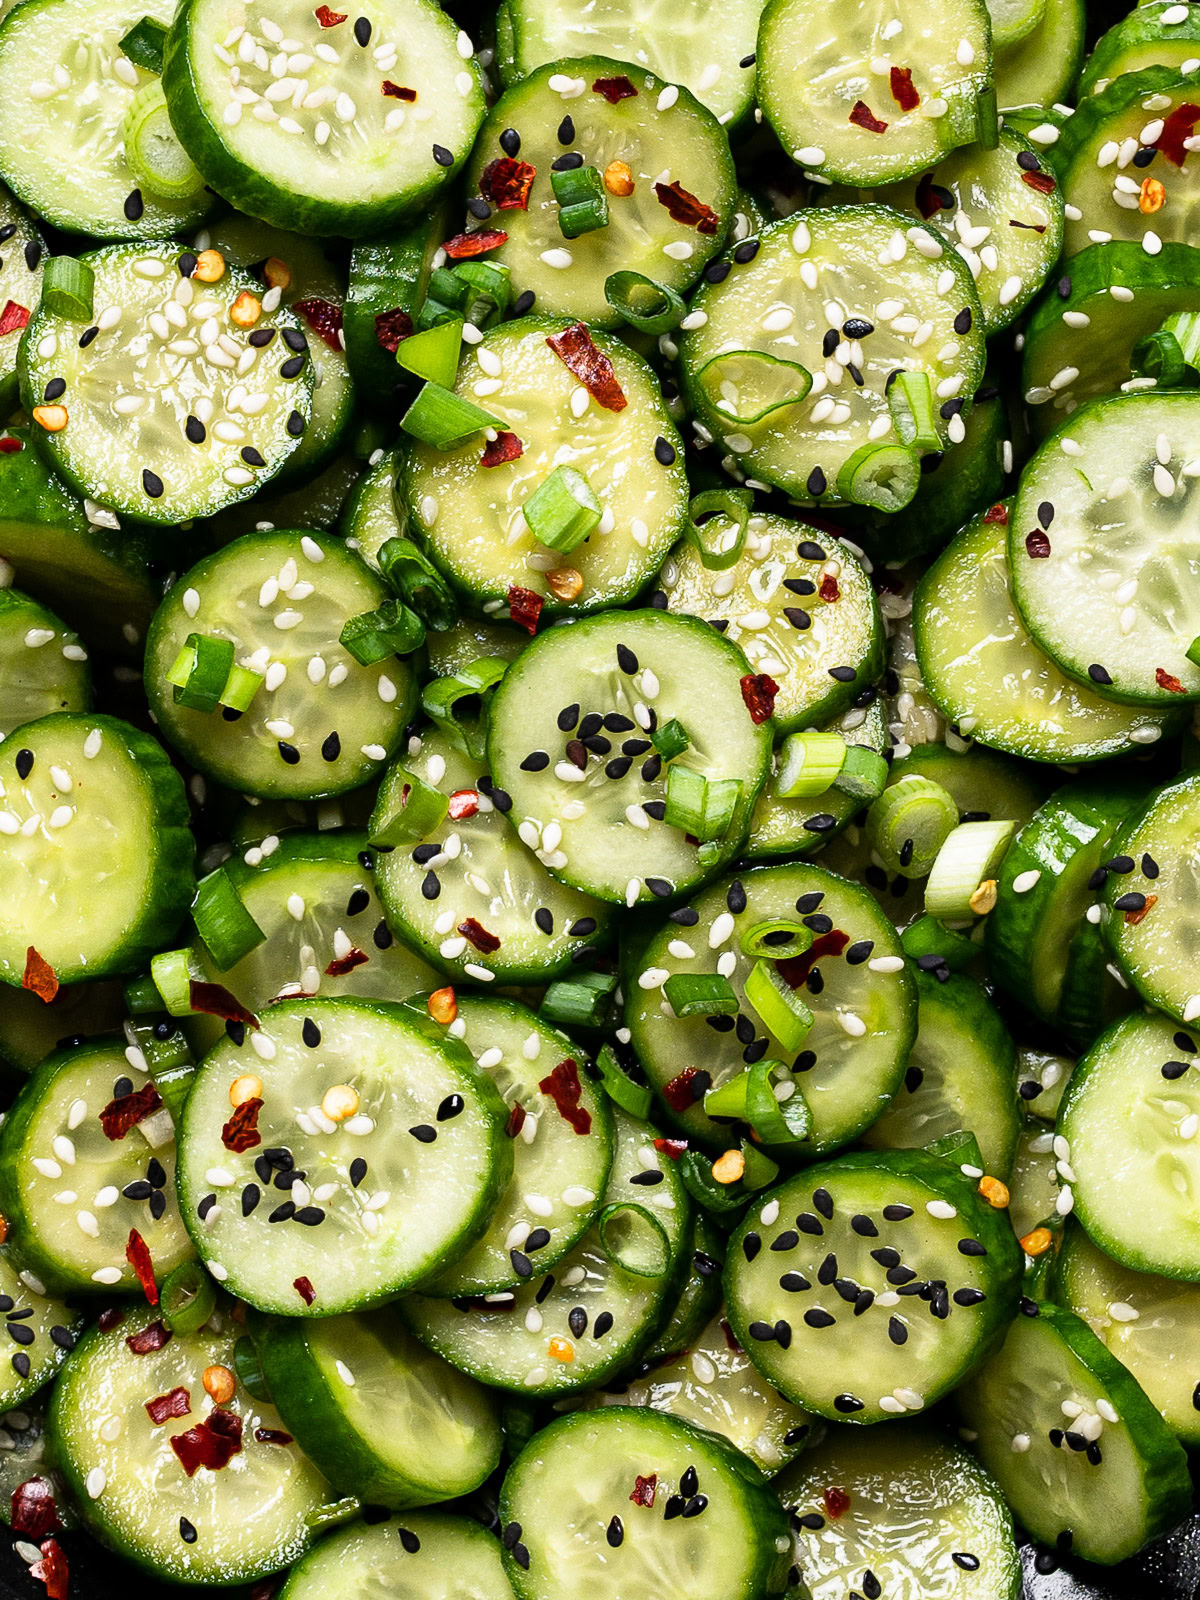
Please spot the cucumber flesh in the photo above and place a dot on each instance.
(1040, 70)
(441, 1558)
(21, 261)
(43, 666)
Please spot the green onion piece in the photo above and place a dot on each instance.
(910, 400)
(760, 1171)
(783, 1013)
(808, 764)
(188, 1298)
(970, 855)
(729, 1098)
(441, 700)
(700, 994)
(241, 686)
(419, 811)
(143, 45)
(392, 630)
(67, 287)
(489, 291)
(620, 1088)
(433, 354)
(1160, 356)
(447, 290)
(212, 662)
(716, 526)
(582, 202)
(774, 1119)
(579, 1001)
(776, 939)
(442, 419)
(172, 974)
(410, 574)
(721, 1199)
(141, 996)
(929, 937)
(671, 739)
(648, 306)
(153, 153)
(909, 823)
(563, 509)
(884, 477)
(1193, 651)
(864, 774)
(703, 807)
(746, 386)
(222, 920)
(634, 1239)
(333, 1514)
(987, 118)
(249, 1372)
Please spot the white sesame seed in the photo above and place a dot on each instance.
(1024, 881)
(941, 1209)
(108, 1275)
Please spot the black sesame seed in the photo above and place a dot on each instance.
(566, 131)
(746, 251)
(479, 208)
(864, 1226)
(362, 31)
(195, 430)
(358, 1171)
(152, 483)
(443, 157)
(816, 1318)
(133, 208)
(261, 337)
(846, 1403)
(431, 886)
(411, 1543)
(602, 1324)
(897, 1213)
(794, 1282)
(424, 1133)
(252, 457)
(567, 163)
(289, 753)
(817, 483)
(664, 452)
(535, 761)
(615, 1533)
(1099, 674)
(292, 367)
(717, 271)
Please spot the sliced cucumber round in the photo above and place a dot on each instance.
(630, 673)
(905, 1278)
(1014, 20)
(904, 1507)
(41, 1330)
(469, 640)
(431, 1180)
(174, 408)
(802, 611)
(1040, 70)
(22, 257)
(97, 869)
(282, 599)
(780, 827)
(471, 516)
(1074, 1445)
(1151, 35)
(389, 279)
(343, 149)
(30, 1029)
(43, 666)
(425, 1556)
(1034, 1181)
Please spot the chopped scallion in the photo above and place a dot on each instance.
(780, 1009)
(633, 1238)
(582, 201)
(909, 823)
(703, 807)
(746, 386)
(716, 526)
(670, 740)
(579, 1001)
(809, 762)
(700, 994)
(563, 510)
(969, 856)
(222, 920)
(419, 810)
(648, 306)
(433, 354)
(635, 1098)
(391, 630)
(67, 288)
(882, 476)
(776, 939)
(442, 419)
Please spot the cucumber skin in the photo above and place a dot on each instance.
(385, 273)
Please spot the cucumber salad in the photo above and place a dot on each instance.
(599, 797)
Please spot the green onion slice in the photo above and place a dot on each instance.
(700, 994)
(392, 630)
(909, 823)
(910, 400)
(671, 739)
(635, 1098)
(433, 354)
(780, 1009)
(489, 291)
(776, 939)
(864, 773)
(648, 306)
(240, 688)
(716, 526)
(153, 152)
(141, 996)
(582, 201)
(143, 45)
(971, 853)
(1193, 651)
(634, 1239)
(929, 937)
(412, 576)
(884, 477)
(775, 1108)
(703, 807)
(563, 509)
(442, 702)
(222, 920)
(419, 811)
(188, 1298)
(809, 763)
(172, 974)
(746, 386)
(442, 419)
(580, 1000)
(67, 288)
(205, 677)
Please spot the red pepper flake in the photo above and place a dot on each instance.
(759, 691)
(1178, 126)
(110, 1319)
(214, 1000)
(40, 977)
(565, 1090)
(397, 91)
(863, 117)
(516, 1120)
(464, 803)
(829, 590)
(1041, 181)
(328, 18)
(392, 328)
(119, 1116)
(903, 92)
(466, 246)
(175, 1403)
(506, 183)
(671, 1147)
(341, 965)
(644, 1489)
(1030, 227)
(241, 1131)
(324, 318)
(997, 514)
(305, 1290)
(503, 448)
(272, 1436)
(13, 318)
(678, 1093)
(52, 1570)
(149, 1339)
(475, 933)
(525, 607)
(794, 970)
(10, 446)
(575, 349)
(34, 1510)
(930, 197)
(1168, 681)
(731, 1342)
(1037, 545)
(1132, 918)
(137, 1253)
(212, 1443)
(614, 89)
(686, 208)
(836, 1503)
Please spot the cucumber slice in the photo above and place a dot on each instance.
(779, 827)
(389, 278)
(383, 1418)
(988, 675)
(471, 871)
(903, 1503)
(30, 1029)
(329, 723)
(94, 884)
(251, 1518)
(1034, 1182)
(1042, 1410)
(24, 1457)
(1110, 601)
(864, 1010)
(1079, 347)
(347, 155)
(1125, 1120)
(471, 517)
(560, 1168)
(1040, 70)
(64, 1182)
(1157, 940)
(162, 426)
(853, 1348)
(640, 670)
(1014, 20)
(431, 1197)
(817, 65)
(1150, 36)
(43, 667)
(469, 640)
(556, 109)
(803, 612)
(21, 260)
(315, 505)
(440, 1558)
(573, 1327)
(372, 514)
(69, 85)
(699, 1298)
(567, 1496)
(808, 278)
(41, 1330)
(959, 1077)
(1042, 1079)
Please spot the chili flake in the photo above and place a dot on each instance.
(392, 328)
(503, 448)
(305, 1290)
(465, 246)
(758, 692)
(241, 1131)
(214, 1000)
(836, 1502)
(644, 1489)
(516, 1120)
(40, 977)
(212, 1443)
(13, 318)
(507, 182)
(474, 933)
(1168, 681)
(576, 350)
(137, 1253)
(397, 91)
(175, 1403)
(614, 89)
(1037, 545)
(565, 1090)
(463, 803)
(524, 606)
(1132, 918)
(829, 590)
(34, 1510)
(324, 318)
(120, 1115)
(341, 965)
(1041, 181)
(149, 1339)
(52, 1570)
(863, 117)
(684, 207)
(903, 91)
(997, 514)
(1178, 126)
(328, 18)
